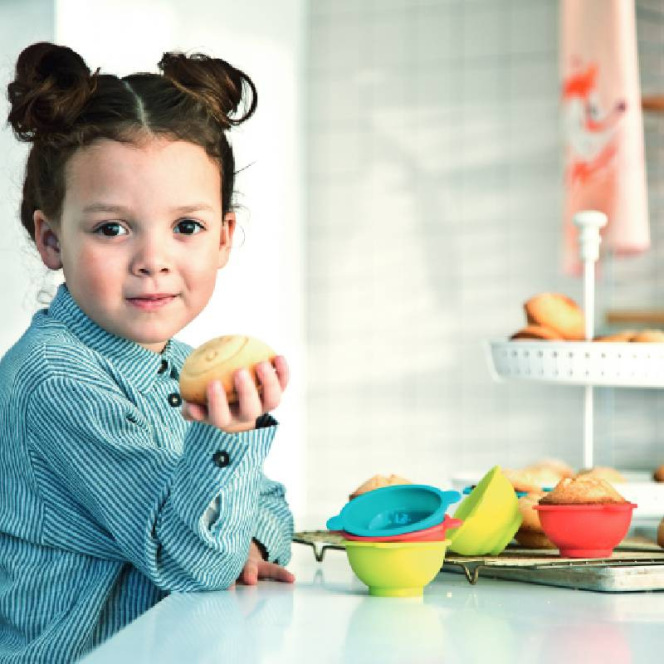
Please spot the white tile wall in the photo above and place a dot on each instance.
(434, 211)
(21, 272)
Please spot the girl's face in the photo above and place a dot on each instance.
(141, 236)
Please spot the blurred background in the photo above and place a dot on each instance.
(402, 198)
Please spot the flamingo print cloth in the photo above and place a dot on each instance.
(603, 125)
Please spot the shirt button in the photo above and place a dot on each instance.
(174, 399)
(163, 367)
(221, 458)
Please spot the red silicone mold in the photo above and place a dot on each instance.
(586, 531)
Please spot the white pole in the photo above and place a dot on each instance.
(589, 222)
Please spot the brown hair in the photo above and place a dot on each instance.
(59, 105)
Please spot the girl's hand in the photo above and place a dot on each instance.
(256, 568)
(251, 405)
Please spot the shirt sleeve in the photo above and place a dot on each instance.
(274, 522)
(93, 454)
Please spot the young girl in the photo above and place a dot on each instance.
(113, 493)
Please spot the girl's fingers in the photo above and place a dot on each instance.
(250, 574)
(219, 413)
(194, 412)
(249, 405)
(275, 572)
(271, 396)
(283, 373)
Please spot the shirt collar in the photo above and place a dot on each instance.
(139, 365)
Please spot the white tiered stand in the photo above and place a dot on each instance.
(585, 362)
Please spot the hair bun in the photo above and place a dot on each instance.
(51, 85)
(216, 84)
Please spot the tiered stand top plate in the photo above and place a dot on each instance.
(579, 363)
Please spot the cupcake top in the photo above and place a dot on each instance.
(582, 490)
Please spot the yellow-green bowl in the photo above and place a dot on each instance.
(490, 515)
(396, 569)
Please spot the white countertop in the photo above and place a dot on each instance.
(328, 616)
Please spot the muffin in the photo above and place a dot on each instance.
(584, 489)
(530, 533)
(377, 482)
(604, 472)
(560, 466)
(522, 480)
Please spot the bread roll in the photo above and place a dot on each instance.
(530, 539)
(377, 482)
(621, 337)
(523, 480)
(660, 534)
(649, 336)
(556, 467)
(542, 474)
(658, 475)
(530, 533)
(535, 332)
(558, 313)
(604, 472)
(219, 359)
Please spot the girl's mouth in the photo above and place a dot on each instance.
(150, 302)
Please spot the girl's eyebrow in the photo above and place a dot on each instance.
(120, 209)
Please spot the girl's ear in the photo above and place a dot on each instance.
(226, 240)
(47, 241)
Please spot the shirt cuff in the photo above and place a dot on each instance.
(211, 459)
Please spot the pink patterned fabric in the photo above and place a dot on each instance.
(603, 125)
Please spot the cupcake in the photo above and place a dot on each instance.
(585, 489)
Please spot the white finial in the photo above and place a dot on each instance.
(589, 222)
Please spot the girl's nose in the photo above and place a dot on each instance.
(150, 259)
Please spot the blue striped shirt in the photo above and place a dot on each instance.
(110, 500)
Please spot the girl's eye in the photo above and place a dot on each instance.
(111, 229)
(188, 227)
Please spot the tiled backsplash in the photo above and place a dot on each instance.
(434, 210)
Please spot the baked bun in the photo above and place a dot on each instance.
(541, 474)
(658, 475)
(530, 539)
(219, 359)
(523, 480)
(558, 313)
(582, 490)
(536, 332)
(627, 335)
(530, 533)
(604, 472)
(556, 467)
(660, 534)
(378, 482)
(649, 336)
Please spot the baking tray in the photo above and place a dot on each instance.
(636, 565)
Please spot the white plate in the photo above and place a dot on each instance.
(578, 362)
